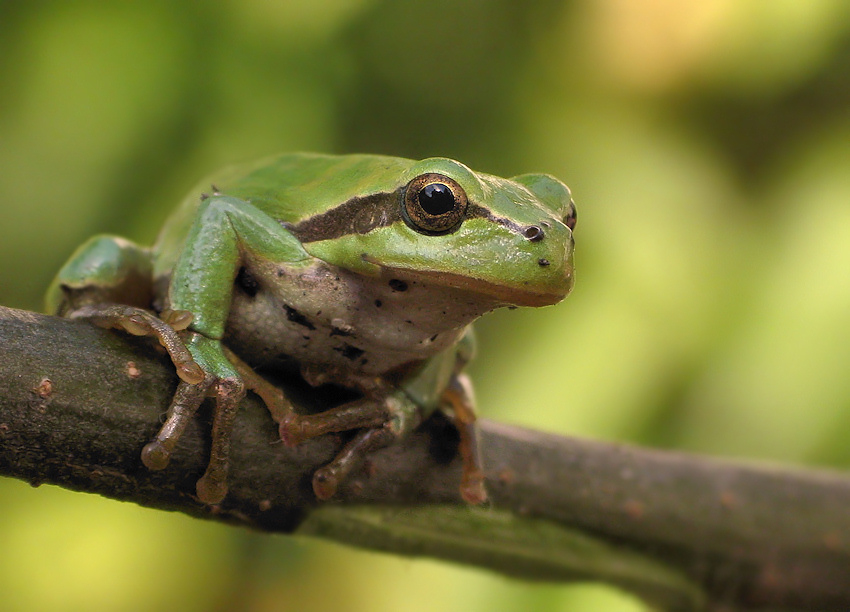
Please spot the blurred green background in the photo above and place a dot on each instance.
(707, 143)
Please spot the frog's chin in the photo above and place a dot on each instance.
(501, 294)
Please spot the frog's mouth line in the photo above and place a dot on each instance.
(500, 293)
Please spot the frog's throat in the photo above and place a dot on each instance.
(500, 293)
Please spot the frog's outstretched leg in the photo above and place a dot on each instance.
(458, 395)
(388, 413)
(226, 230)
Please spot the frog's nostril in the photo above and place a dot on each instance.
(534, 233)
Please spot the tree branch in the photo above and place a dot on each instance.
(685, 532)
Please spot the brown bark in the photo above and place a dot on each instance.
(77, 404)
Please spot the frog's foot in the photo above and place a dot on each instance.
(220, 380)
(204, 372)
(229, 391)
(382, 422)
(458, 396)
(140, 322)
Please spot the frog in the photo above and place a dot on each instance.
(362, 271)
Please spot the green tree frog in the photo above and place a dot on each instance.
(364, 271)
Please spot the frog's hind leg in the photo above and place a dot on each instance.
(103, 270)
(459, 397)
(273, 397)
(108, 282)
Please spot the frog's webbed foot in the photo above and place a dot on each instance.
(382, 421)
(141, 322)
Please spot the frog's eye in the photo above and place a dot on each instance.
(434, 204)
(571, 216)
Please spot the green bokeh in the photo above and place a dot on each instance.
(707, 143)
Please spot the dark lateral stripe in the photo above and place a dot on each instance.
(363, 214)
(355, 216)
(475, 211)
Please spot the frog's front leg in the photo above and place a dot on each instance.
(226, 232)
(221, 381)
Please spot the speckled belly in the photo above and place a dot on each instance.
(323, 317)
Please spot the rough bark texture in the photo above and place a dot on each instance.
(78, 403)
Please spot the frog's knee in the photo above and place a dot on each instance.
(104, 269)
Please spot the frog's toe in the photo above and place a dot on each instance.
(155, 456)
(472, 489)
(178, 320)
(211, 489)
(327, 479)
(325, 483)
(189, 371)
(140, 322)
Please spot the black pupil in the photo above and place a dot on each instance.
(436, 199)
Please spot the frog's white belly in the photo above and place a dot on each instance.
(328, 318)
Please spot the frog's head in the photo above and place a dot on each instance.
(509, 240)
